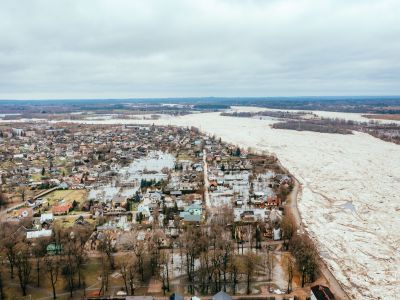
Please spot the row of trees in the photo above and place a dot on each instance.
(206, 255)
(211, 262)
(306, 257)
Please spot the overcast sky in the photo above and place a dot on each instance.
(114, 49)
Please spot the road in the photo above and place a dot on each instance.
(206, 183)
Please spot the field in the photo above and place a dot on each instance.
(67, 195)
(383, 117)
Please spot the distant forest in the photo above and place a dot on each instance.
(357, 104)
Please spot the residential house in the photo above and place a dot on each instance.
(46, 217)
(221, 296)
(320, 292)
(118, 201)
(61, 209)
(39, 233)
(192, 214)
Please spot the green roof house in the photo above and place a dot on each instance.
(53, 249)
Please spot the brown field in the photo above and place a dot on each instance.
(68, 195)
(91, 273)
(383, 117)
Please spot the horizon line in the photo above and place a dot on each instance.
(204, 97)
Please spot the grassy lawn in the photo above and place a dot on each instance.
(69, 220)
(64, 170)
(183, 156)
(39, 163)
(134, 206)
(36, 177)
(7, 165)
(68, 195)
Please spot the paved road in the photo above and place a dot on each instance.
(206, 183)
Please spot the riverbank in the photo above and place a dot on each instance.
(291, 208)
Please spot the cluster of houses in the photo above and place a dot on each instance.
(113, 164)
(246, 183)
(144, 174)
(137, 178)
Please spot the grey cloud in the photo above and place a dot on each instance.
(124, 48)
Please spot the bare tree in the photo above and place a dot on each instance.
(39, 251)
(3, 198)
(22, 192)
(288, 227)
(164, 270)
(128, 268)
(193, 244)
(81, 236)
(225, 215)
(9, 240)
(123, 268)
(52, 267)
(23, 266)
(227, 247)
(304, 251)
(68, 269)
(154, 245)
(105, 272)
(205, 271)
(250, 262)
(2, 295)
(106, 246)
(289, 268)
(140, 253)
(235, 265)
(269, 263)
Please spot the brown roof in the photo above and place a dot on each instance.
(63, 208)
